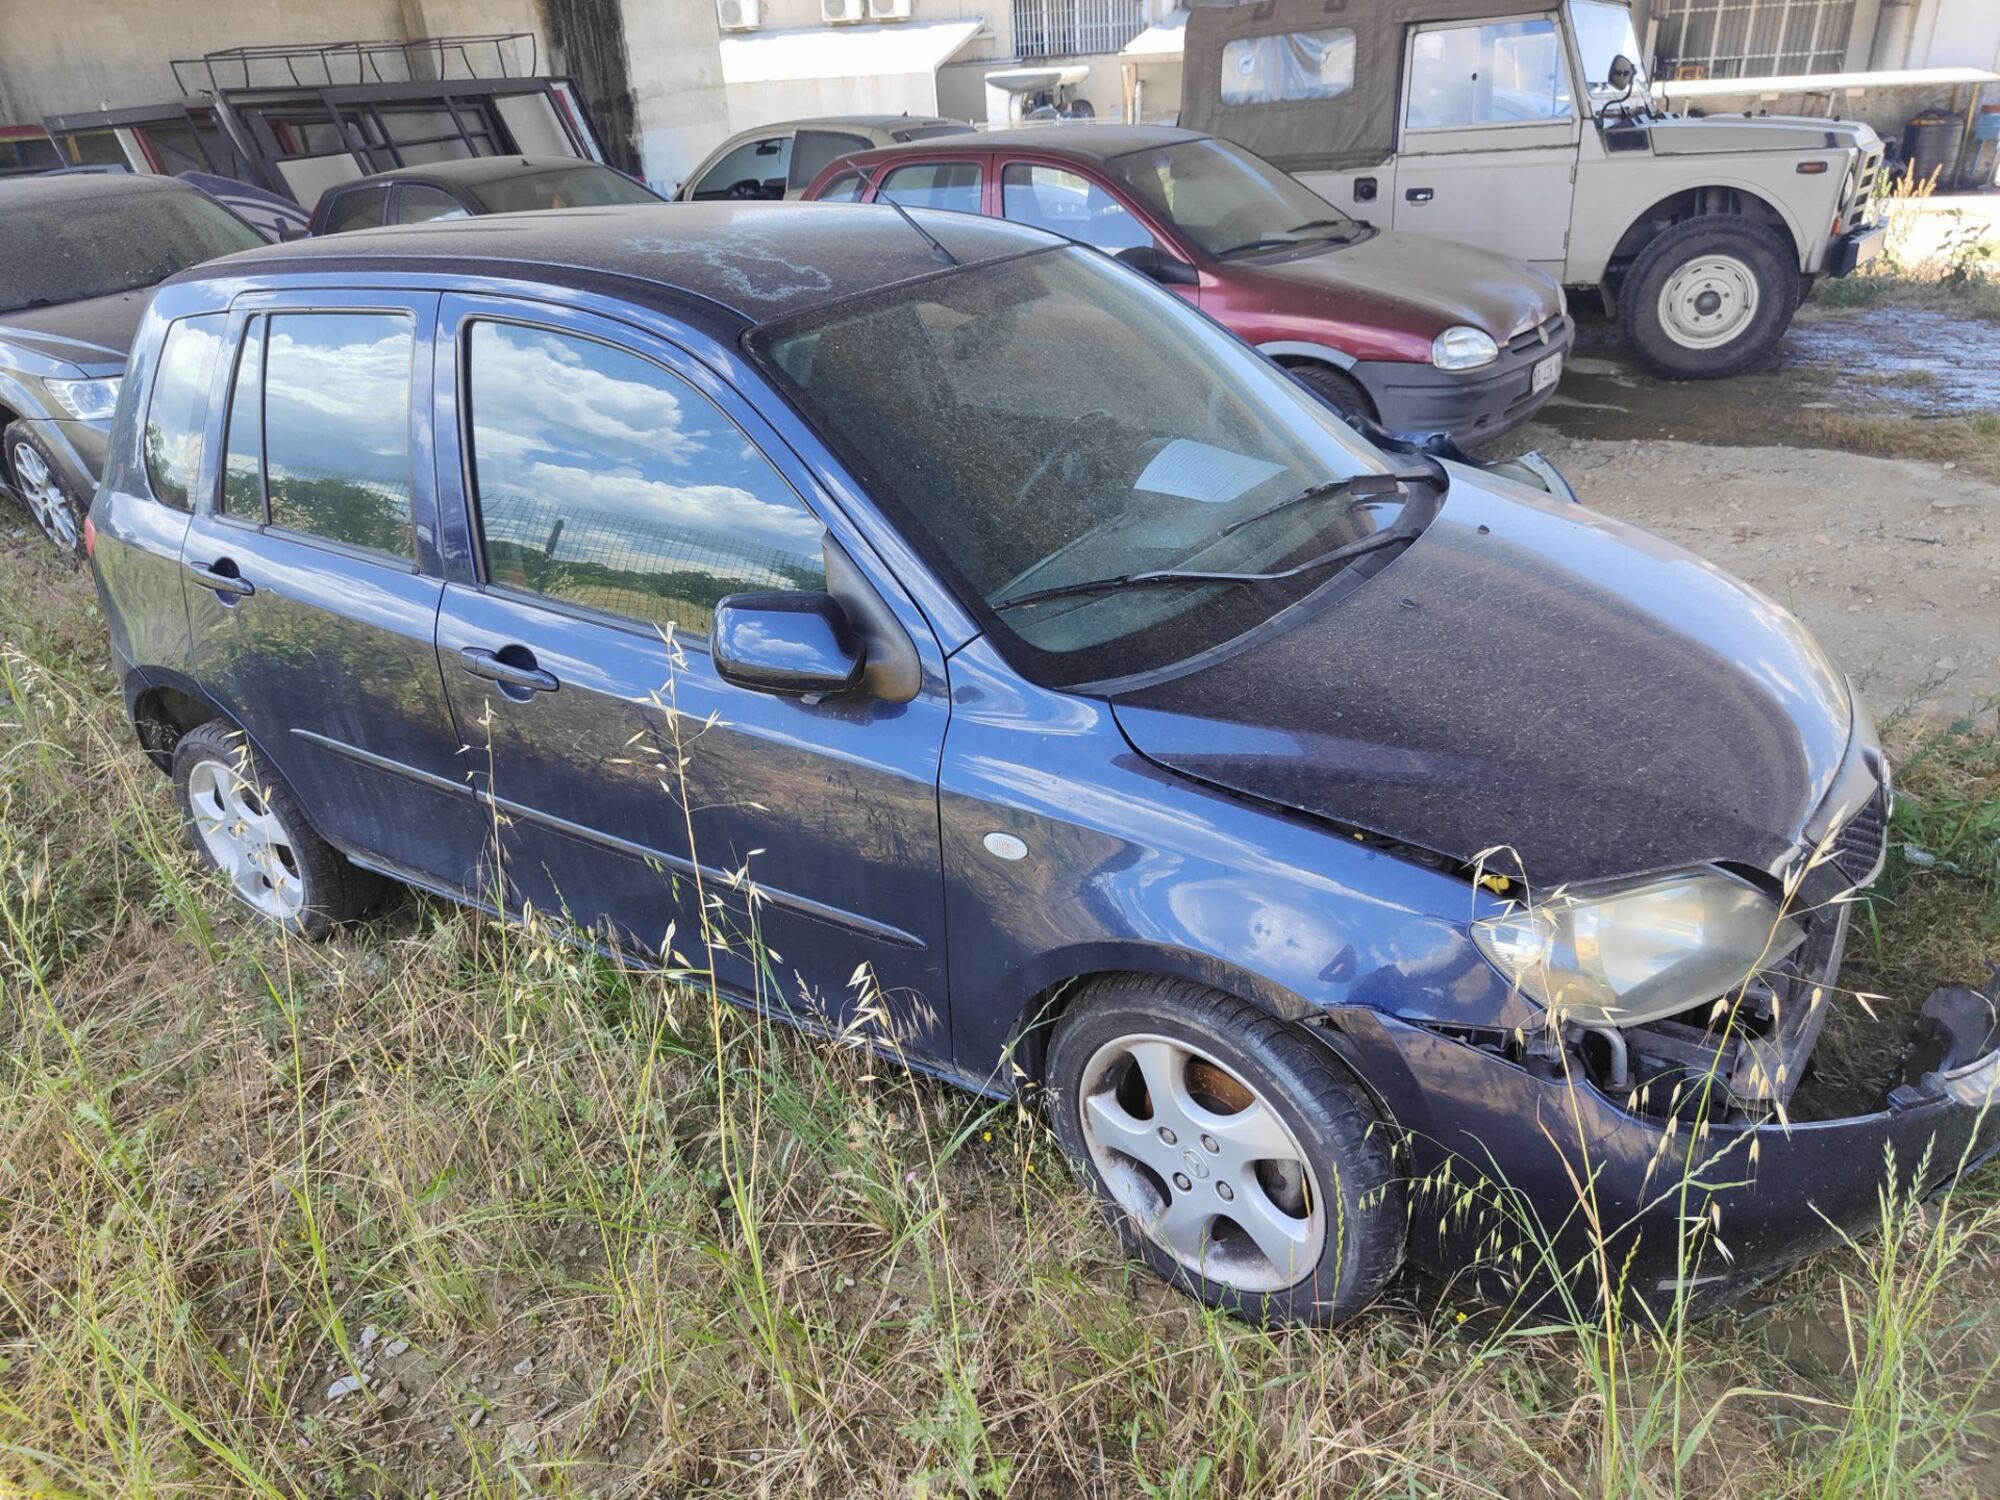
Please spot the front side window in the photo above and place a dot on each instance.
(755, 169)
(816, 150)
(1502, 73)
(950, 185)
(1068, 204)
(585, 186)
(178, 410)
(1291, 65)
(243, 447)
(1604, 33)
(1049, 421)
(846, 188)
(606, 482)
(1226, 201)
(363, 208)
(337, 427)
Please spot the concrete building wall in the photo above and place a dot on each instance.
(676, 67)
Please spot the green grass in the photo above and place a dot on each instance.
(638, 1244)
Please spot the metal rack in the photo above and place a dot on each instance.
(348, 64)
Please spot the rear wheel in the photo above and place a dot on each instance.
(247, 826)
(1340, 391)
(1709, 297)
(38, 479)
(1233, 1155)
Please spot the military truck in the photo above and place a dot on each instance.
(1528, 128)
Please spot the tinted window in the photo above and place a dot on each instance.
(586, 186)
(605, 481)
(952, 185)
(179, 407)
(337, 426)
(815, 150)
(1291, 65)
(117, 240)
(755, 169)
(418, 204)
(243, 448)
(1068, 204)
(1500, 74)
(361, 209)
(846, 188)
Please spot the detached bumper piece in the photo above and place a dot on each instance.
(1470, 406)
(1547, 1194)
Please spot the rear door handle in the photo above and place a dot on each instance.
(1419, 195)
(212, 576)
(515, 674)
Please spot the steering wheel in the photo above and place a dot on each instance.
(749, 187)
(1067, 446)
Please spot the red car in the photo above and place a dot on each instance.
(1418, 335)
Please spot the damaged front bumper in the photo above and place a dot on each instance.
(1544, 1192)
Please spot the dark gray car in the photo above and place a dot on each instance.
(79, 257)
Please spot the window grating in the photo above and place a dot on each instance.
(1753, 38)
(1074, 28)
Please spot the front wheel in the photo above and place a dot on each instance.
(38, 480)
(1340, 391)
(1709, 297)
(1232, 1153)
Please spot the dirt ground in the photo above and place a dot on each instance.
(1892, 561)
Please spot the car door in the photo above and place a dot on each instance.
(1489, 135)
(314, 585)
(614, 491)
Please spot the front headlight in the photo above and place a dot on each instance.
(1562, 300)
(86, 400)
(1463, 349)
(1640, 954)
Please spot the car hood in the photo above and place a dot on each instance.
(93, 336)
(1445, 282)
(1682, 135)
(1526, 674)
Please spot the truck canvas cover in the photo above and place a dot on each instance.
(1246, 64)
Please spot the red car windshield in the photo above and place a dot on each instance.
(1225, 201)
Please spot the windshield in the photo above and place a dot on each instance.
(70, 249)
(561, 187)
(1226, 201)
(1605, 31)
(1055, 420)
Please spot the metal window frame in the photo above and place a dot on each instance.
(1755, 38)
(1075, 28)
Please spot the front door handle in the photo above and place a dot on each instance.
(511, 666)
(221, 577)
(1419, 195)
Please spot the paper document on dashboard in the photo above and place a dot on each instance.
(1194, 470)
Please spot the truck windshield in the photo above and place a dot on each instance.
(1049, 424)
(70, 249)
(1226, 201)
(1604, 31)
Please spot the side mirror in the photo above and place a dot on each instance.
(796, 644)
(1623, 71)
(1151, 260)
(290, 232)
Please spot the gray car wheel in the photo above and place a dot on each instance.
(38, 480)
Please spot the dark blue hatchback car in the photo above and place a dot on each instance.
(1366, 855)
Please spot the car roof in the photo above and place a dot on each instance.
(471, 171)
(858, 122)
(720, 266)
(73, 187)
(1078, 142)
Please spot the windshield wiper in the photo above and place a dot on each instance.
(1360, 487)
(1159, 577)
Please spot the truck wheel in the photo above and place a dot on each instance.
(1233, 1155)
(245, 824)
(1708, 298)
(1341, 392)
(38, 479)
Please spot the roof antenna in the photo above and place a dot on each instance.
(938, 251)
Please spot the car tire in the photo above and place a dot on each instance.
(1340, 391)
(1709, 298)
(247, 826)
(37, 481)
(1258, 1142)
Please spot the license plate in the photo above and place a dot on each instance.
(1547, 372)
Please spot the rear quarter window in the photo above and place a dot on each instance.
(177, 412)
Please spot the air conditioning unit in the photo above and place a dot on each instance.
(889, 10)
(843, 12)
(739, 15)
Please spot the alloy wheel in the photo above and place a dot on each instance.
(246, 838)
(1709, 301)
(1203, 1163)
(44, 495)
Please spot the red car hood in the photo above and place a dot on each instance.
(1412, 282)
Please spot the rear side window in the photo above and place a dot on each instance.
(337, 426)
(813, 151)
(630, 493)
(360, 209)
(179, 407)
(1290, 65)
(419, 204)
(952, 185)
